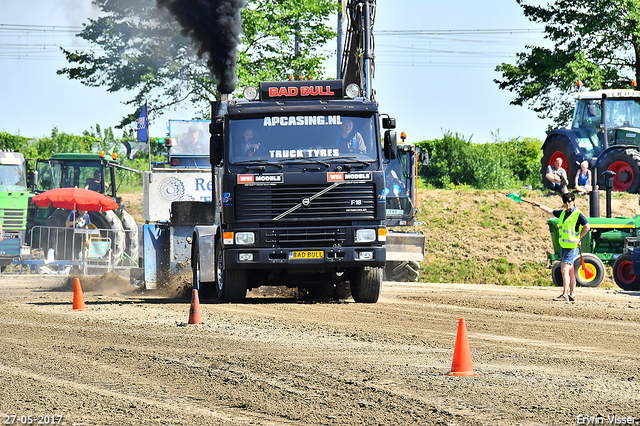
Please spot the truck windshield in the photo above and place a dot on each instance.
(304, 137)
(12, 175)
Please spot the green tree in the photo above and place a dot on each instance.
(595, 41)
(139, 47)
(454, 161)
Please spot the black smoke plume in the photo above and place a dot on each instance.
(215, 27)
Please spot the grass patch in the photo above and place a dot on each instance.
(492, 271)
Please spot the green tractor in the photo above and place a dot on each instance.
(90, 171)
(608, 242)
(605, 132)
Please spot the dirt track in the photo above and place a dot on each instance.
(273, 361)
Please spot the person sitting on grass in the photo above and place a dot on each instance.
(556, 177)
(583, 179)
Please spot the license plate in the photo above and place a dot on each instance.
(317, 254)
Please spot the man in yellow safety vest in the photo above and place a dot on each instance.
(572, 226)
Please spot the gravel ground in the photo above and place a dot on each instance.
(130, 359)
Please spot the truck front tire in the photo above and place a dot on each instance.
(231, 284)
(367, 285)
(205, 288)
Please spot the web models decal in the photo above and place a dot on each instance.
(264, 179)
(350, 177)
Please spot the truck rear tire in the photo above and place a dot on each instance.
(231, 284)
(205, 288)
(558, 146)
(407, 271)
(622, 273)
(367, 285)
(595, 265)
(626, 164)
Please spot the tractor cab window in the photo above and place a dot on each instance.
(303, 137)
(623, 113)
(49, 175)
(82, 175)
(588, 115)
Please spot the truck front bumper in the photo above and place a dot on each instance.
(332, 257)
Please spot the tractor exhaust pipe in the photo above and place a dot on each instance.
(605, 142)
(594, 196)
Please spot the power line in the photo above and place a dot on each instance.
(41, 28)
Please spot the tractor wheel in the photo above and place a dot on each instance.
(110, 227)
(593, 264)
(231, 284)
(407, 271)
(367, 285)
(556, 275)
(626, 165)
(558, 146)
(131, 238)
(57, 239)
(622, 274)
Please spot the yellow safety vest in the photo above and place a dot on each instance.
(567, 228)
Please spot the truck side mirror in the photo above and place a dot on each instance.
(33, 180)
(424, 158)
(390, 144)
(388, 122)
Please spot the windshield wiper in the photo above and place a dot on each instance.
(304, 160)
(259, 162)
(351, 158)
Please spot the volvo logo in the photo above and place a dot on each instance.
(306, 201)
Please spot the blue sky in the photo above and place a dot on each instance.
(435, 66)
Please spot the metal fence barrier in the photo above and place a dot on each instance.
(58, 250)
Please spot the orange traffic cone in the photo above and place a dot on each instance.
(462, 354)
(194, 312)
(78, 297)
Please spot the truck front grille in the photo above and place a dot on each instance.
(14, 218)
(307, 237)
(266, 203)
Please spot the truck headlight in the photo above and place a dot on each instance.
(244, 238)
(365, 235)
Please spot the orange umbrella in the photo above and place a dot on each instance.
(75, 199)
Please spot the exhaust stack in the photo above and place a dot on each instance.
(215, 28)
